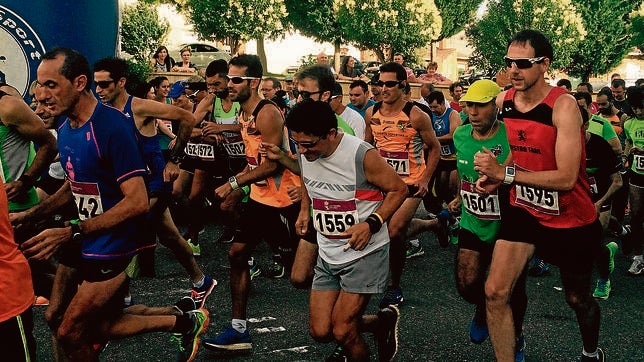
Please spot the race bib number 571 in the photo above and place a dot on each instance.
(88, 199)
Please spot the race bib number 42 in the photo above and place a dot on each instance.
(88, 199)
(544, 201)
(332, 218)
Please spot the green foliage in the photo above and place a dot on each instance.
(557, 19)
(137, 74)
(314, 18)
(638, 32)
(456, 14)
(610, 40)
(141, 30)
(388, 27)
(238, 20)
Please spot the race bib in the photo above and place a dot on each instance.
(234, 145)
(485, 207)
(200, 150)
(593, 185)
(398, 160)
(167, 124)
(252, 164)
(88, 199)
(543, 201)
(332, 218)
(638, 163)
(445, 151)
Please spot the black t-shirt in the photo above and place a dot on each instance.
(601, 162)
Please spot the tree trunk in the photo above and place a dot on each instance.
(261, 53)
(336, 54)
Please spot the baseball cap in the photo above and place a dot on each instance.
(481, 91)
(178, 88)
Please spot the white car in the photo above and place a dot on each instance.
(202, 54)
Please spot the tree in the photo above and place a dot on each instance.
(610, 40)
(316, 19)
(557, 19)
(637, 17)
(387, 27)
(237, 20)
(456, 15)
(141, 31)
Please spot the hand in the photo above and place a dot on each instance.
(14, 189)
(273, 152)
(20, 219)
(422, 188)
(170, 172)
(45, 244)
(295, 193)
(210, 128)
(485, 163)
(360, 235)
(454, 206)
(486, 186)
(172, 143)
(302, 223)
(232, 200)
(598, 206)
(224, 190)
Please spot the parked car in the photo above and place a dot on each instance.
(202, 54)
(372, 67)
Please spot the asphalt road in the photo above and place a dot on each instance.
(434, 322)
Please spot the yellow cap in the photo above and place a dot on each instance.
(482, 91)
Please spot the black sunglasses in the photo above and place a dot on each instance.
(306, 145)
(307, 95)
(522, 63)
(103, 83)
(388, 84)
(237, 79)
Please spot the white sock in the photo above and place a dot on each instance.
(624, 231)
(127, 300)
(592, 355)
(638, 257)
(239, 325)
(199, 284)
(414, 242)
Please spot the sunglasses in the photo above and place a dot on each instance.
(238, 80)
(522, 63)
(306, 145)
(388, 84)
(192, 96)
(103, 83)
(307, 95)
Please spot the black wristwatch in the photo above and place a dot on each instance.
(176, 159)
(77, 233)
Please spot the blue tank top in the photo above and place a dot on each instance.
(441, 127)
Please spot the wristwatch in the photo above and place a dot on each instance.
(509, 175)
(77, 233)
(176, 159)
(233, 183)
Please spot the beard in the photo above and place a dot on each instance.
(223, 94)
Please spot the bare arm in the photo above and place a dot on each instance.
(275, 153)
(616, 184)
(43, 209)
(368, 134)
(15, 113)
(421, 122)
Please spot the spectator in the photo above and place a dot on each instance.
(398, 58)
(270, 86)
(348, 70)
(456, 91)
(323, 59)
(565, 83)
(161, 60)
(431, 76)
(185, 65)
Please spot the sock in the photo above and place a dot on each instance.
(591, 355)
(239, 325)
(414, 242)
(127, 300)
(199, 284)
(624, 231)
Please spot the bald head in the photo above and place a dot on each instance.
(323, 58)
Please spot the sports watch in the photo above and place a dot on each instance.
(233, 183)
(509, 175)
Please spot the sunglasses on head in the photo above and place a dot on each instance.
(237, 79)
(522, 63)
(388, 84)
(103, 83)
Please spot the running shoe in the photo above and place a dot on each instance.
(185, 305)
(602, 290)
(637, 267)
(393, 296)
(538, 268)
(276, 270)
(199, 295)
(612, 250)
(337, 355)
(601, 357)
(229, 340)
(454, 229)
(253, 268)
(387, 334)
(196, 248)
(414, 251)
(519, 347)
(227, 235)
(478, 331)
(189, 341)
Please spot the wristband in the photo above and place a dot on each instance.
(246, 190)
(382, 221)
(27, 181)
(374, 223)
(509, 175)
